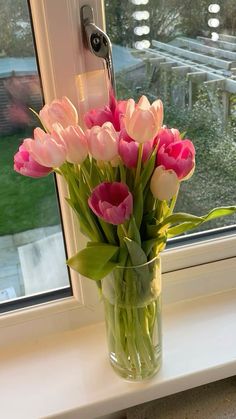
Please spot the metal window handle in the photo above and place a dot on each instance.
(98, 42)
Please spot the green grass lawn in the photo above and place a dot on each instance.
(25, 203)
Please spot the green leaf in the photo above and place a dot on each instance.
(133, 231)
(148, 245)
(83, 224)
(186, 226)
(148, 169)
(140, 275)
(152, 231)
(180, 229)
(219, 212)
(137, 255)
(95, 261)
(180, 217)
(123, 254)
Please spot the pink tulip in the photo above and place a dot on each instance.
(103, 142)
(47, 149)
(27, 166)
(178, 156)
(113, 113)
(75, 143)
(166, 136)
(119, 114)
(128, 150)
(164, 184)
(143, 121)
(98, 117)
(112, 202)
(59, 111)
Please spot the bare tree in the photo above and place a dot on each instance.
(15, 35)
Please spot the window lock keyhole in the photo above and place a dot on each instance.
(96, 42)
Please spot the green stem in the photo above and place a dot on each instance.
(131, 335)
(109, 171)
(147, 341)
(87, 177)
(172, 204)
(122, 173)
(139, 164)
(124, 230)
(131, 338)
(146, 350)
(108, 231)
(120, 352)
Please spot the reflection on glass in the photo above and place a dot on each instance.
(215, 36)
(144, 44)
(214, 8)
(141, 15)
(139, 2)
(192, 69)
(141, 30)
(213, 23)
(31, 246)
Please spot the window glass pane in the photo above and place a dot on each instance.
(32, 256)
(185, 53)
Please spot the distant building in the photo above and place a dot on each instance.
(19, 89)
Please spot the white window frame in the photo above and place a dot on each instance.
(186, 269)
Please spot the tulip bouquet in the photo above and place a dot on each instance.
(123, 169)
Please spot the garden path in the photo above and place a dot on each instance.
(11, 280)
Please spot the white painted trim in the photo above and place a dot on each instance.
(194, 254)
(198, 281)
(46, 319)
(68, 376)
(50, 20)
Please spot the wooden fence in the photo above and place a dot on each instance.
(176, 69)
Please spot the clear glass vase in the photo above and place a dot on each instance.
(132, 301)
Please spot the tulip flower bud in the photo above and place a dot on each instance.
(164, 184)
(128, 150)
(112, 202)
(178, 156)
(75, 142)
(143, 121)
(27, 166)
(47, 149)
(103, 142)
(59, 112)
(113, 113)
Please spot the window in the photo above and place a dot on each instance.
(29, 214)
(184, 52)
(78, 80)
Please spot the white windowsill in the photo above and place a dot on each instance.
(67, 375)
